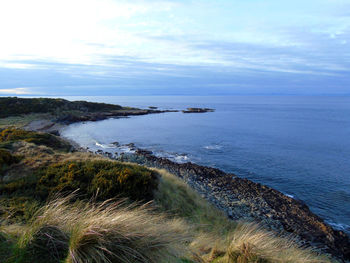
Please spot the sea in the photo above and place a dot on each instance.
(299, 145)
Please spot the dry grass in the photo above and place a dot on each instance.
(107, 232)
(23, 120)
(175, 197)
(251, 244)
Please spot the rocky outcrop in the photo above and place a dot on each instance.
(197, 110)
(245, 200)
(72, 118)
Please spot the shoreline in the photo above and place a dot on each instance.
(244, 200)
(240, 199)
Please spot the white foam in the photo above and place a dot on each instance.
(181, 158)
(125, 149)
(105, 146)
(339, 226)
(213, 147)
(175, 157)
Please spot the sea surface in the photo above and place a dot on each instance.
(297, 145)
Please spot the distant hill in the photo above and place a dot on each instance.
(13, 106)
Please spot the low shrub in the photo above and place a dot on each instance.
(18, 209)
(5, 246)
(103, 179)
(12, 134)
(7, 159)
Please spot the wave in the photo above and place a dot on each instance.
(175, 157)
(338, 226)
(105, 146)
(125, 149)
(182, 158)
(289, 195)
(213, 147)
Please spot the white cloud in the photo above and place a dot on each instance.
(90, 32)
(17, 91)
(64, 30)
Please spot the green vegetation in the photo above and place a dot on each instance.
(104, 179)
(7, 159)
(99, 179)
(175, 197)
(12, 135)
(37, 225)
(13, 106)
(22, 120)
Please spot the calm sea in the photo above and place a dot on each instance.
(297, 145)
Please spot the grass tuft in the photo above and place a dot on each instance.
(85, 232)
(252, 244)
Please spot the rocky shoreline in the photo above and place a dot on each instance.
(245, 200)
(54, 125)
(70, 118)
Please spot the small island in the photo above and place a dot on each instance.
(198, 110)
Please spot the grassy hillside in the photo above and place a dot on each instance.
(119, 212)
(13, 106)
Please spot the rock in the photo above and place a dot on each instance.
(96, 116)
(130, 145)
(197, 110)
(116, 144)
(55, 132)
(143, 152)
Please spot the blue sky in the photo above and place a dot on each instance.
(150, 47)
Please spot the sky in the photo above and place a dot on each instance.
(183, 47)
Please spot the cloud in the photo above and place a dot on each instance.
(17, 91)
(143, 78)
(119, 44)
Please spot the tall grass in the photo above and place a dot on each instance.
(218, 239)
(85, 232)
(250, 243)
(175, 197)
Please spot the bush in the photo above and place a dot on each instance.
(6, 159)
(105, 179)
(5, 246)
(18, 209)
(12, 134)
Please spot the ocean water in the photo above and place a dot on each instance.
(297, 145)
